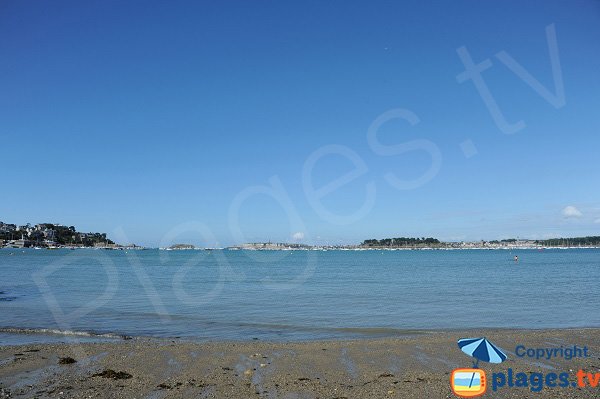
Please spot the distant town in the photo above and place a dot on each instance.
(54, 235)
(433, 243)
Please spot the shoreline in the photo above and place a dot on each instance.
(315, 248)
(43, 336)
(407, 367)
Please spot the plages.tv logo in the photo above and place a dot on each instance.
(471, 382)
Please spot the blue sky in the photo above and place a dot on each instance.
(149, 116)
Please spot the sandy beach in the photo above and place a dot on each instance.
(415, 366)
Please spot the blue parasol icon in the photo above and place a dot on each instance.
(481, 349)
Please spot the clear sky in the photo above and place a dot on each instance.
(157, 117)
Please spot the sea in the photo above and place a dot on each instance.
(221, 295)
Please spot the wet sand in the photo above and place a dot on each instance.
(415, 366)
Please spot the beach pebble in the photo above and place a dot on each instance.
(248, 372)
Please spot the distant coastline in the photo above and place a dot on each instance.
(404, 243)
(566, 243)
(55, 236)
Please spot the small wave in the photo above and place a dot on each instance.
(328, 330)
(4, 298)
(70, 333)
(7, 298)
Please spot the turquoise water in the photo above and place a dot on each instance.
(294, 295)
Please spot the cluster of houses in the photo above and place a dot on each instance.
(15, 236)
(49, 236)
(270, 246)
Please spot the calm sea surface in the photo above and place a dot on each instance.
(297, 295)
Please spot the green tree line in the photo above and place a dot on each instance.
(575, 241)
